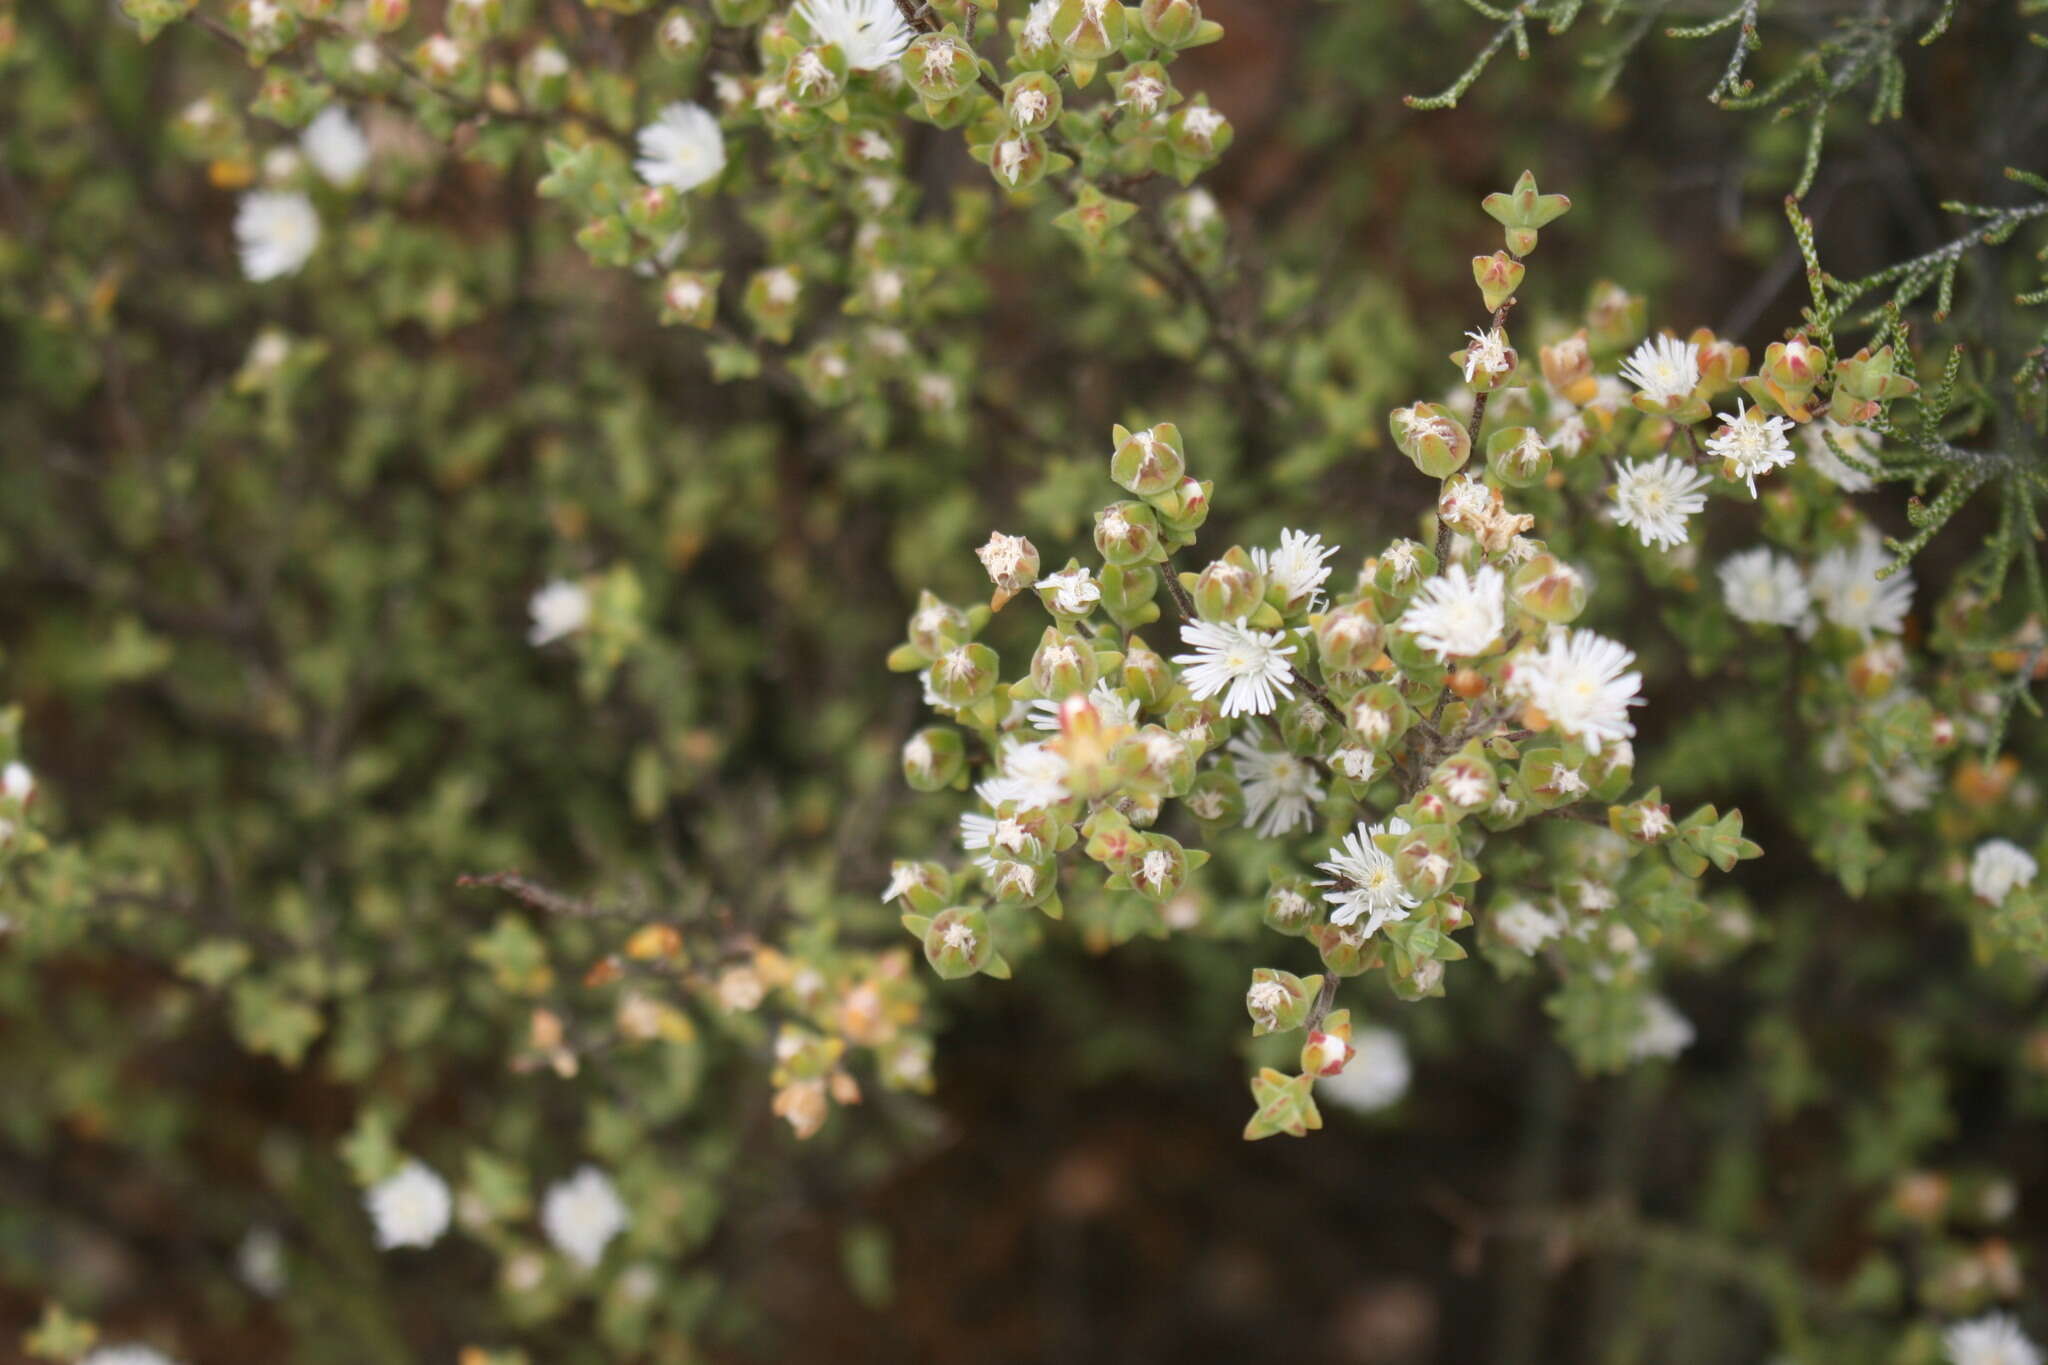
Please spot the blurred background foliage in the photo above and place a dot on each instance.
(265, 621)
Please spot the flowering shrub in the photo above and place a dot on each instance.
(467, 464)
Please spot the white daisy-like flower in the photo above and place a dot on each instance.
(1364, 879)
(1116, 711)
(1376, 1076)
(1999, 866)
(1297, 567)
(560, 608)
(1654, 497)
(682, 147)
(1664, 368)
(582, 1214)
(1846, 586)
(127, 1354)
(275, 232)
(1763, 588)
(410, 1207)
(872, 33)
(1581, 682)
(1280, 788)
(1247, 666)
(1456, 615)
(1032, 777)
(1859, 443)
(336, 146)
(1663, 1031)
(1524, 927)
(1994, 1339)
(1073, 591)
(1753, 443)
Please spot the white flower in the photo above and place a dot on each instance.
(1656, 496)
(682, 147)
(1753, 443)
(902, 877)
(1664, 368)
(1570, 437)
(1663, 1031)
(958, 937)
(259, 1260)
(1011, 154)
(1455, 614)
(1297, 567)
(1073, 591)
(364, 58)
(126, 1355)
(558, 609)
(17, 781)
(410, 1208)
(281, 164)
(1247, 666)
(1032, 777)
(1998, 866)
(1859, 443)
(335, 146)
(1202, 122)
(1764, 588)
(1110, 704)
(1525, 928)
(1994, 1339)
(1355, 762)
(582, 1214)
(276, 232)
(1280, 788)
(1846, 585)
(1376, 1076)
(1911, 786)
(1365, 880)
(1580, 682)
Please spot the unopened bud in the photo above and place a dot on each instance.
(1279, 1001)
(1348, 637)
(1012, 565)
(1427, 434)
(1517, 456)
(1229, 588)
(1148, 462)
(933, 758)
(1549, 589)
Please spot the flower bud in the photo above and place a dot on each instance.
(1062, 665)
(1169, 22)
(739, 13)
(1146, 676)
(1517, 456)
(443, 59)
(1486, 360)
(1159, 868)
(964, 675)
(1466, 782)
(1020, 885)
(1568, 368)
(1199, 132)
(1379, 715)
(939, 66)
(1347, 637)
(1156, 759)
(1147, 462)
(957, 943)
(1032, 102)
(1018, 161)
(387, 16)
(1290, 906)
(1070, 595)
(1355, 763)
(1215, 798)
(1127, 593)
(1549, 589)
(1012, 565)
(1429, 436)
(921, 886)
(816, 76)
(1229, 588)
(1143, 89)
(1647, 821)
(1278, 1001)
(678, 35)
(475, 21)
(1427, 860)
(1721, 362)
(1614, 316)
(1346, 951)
(1126, 533)
(1498, 277)
(1089, 30)
(689, 297)
(1328, 1049)
(936, 626)
(933, 758)
(1874, 669)
(1183, 508)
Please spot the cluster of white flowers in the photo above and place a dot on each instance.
(1765, 588)
(1998, 868)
